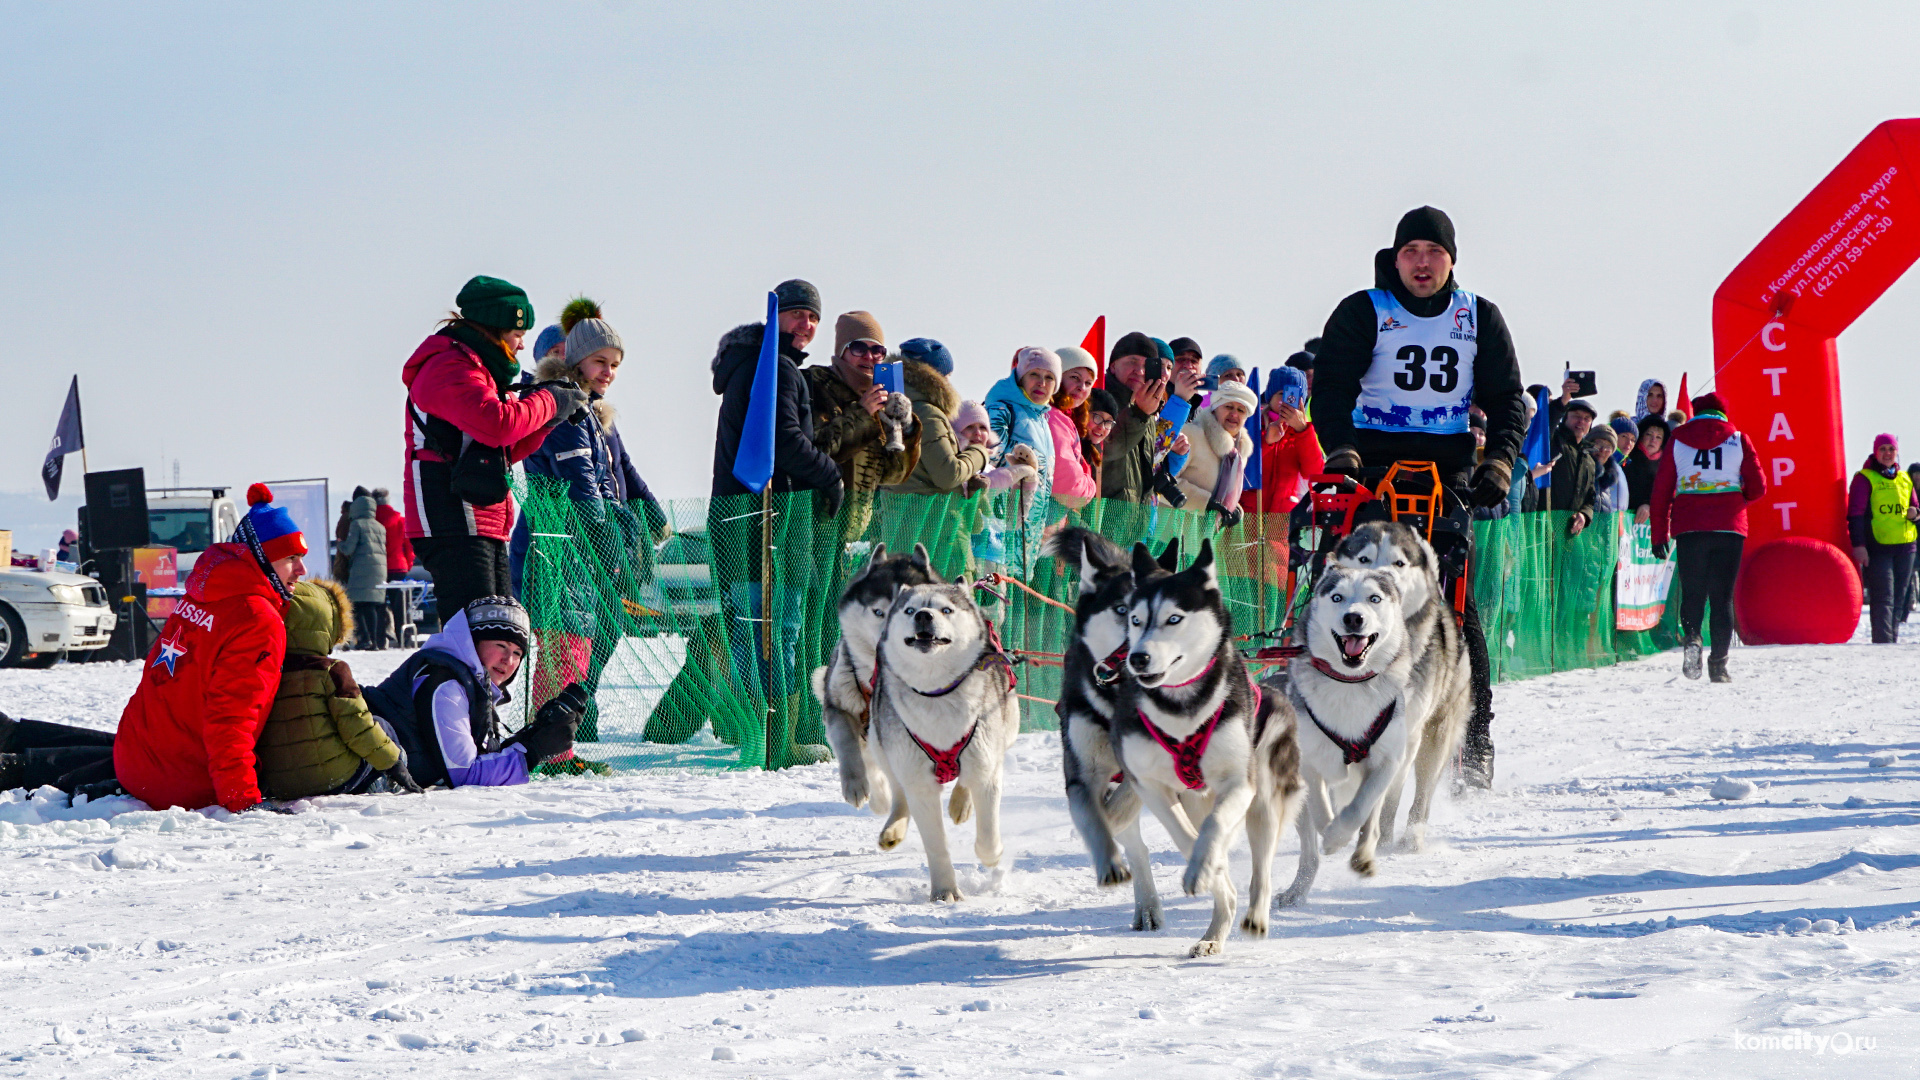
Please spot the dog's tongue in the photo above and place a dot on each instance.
(1353, 646)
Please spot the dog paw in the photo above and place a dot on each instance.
(1204, 947)
(960, 805)
(1200, 877)
(1334, 839)
(1148, 916)
(855, 790)
(1362, 863)
(891, 836)
(989, 857)
(948, 895)
(1289, 899)
(1113, 874)
(1255, 924)
(1412, 844)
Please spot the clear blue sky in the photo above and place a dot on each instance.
(236, 221)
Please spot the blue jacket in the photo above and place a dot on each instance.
(601, 480)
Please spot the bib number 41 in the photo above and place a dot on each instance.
(1710, 458)
(1414, 377)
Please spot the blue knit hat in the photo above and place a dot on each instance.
(929, 352)
(1624, 426)
(1222, 364)
(548, 338)
(1287, 383)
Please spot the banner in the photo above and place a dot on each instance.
(1641, 581)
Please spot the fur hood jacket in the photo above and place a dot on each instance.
(1211, 445)
(943, 466)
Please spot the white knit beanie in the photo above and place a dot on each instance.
(1239, 393)
(1034, 358)
(1073, 356)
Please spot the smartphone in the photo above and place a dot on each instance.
(890, 376)
(1294, 397)
(1587, 387)
(1156, 368)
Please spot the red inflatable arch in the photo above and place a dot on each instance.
(1775, 319)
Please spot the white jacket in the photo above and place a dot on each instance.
(1210, 443)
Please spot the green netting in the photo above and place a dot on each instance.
(700, 657)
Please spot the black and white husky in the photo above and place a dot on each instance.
(943, 712)
(844, 684)
(1092, 671)
(1190, 722)
(1381, 689)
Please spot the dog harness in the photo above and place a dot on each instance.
(1187, 752)
(946, 763)
(1354, 751)
(1108, 670)
(1329, 671)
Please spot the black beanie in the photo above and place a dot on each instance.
(1185, 344)
(1426, 223)
(795, 293)
(1302, 360)
(1133, 344)
(1101, 401)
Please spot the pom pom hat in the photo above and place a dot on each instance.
(272, 526)
(587, 331)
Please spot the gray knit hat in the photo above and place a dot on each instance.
(589, 336)
(796, 293)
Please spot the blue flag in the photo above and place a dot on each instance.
(1538, 447)
(1254, 425)
(67, 437)
(753, 463)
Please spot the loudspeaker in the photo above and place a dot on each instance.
(134, 634)
(117, 509)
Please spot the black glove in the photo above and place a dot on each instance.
(831, 497)
(267, 806)
(1492, 483)
(551, 733)
(1345, 461)
(569, 401)
(1663, 549)
(399, 779)
(565, 707)
(1229, 515)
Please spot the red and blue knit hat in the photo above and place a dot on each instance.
(272, 526)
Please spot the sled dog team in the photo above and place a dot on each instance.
(1158, 710)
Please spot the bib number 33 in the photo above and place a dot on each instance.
(1415, 377)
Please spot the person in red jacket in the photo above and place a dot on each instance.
(186, 737)
(399, 554)
(467, 423)
(1707, 477)
(1289, 448)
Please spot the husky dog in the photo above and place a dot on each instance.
(1377, 686)
(844, 684)
(1190, 720)
(1400, 550)
(1094, 666)
(943, 712)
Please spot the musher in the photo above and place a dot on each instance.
(1398, 367)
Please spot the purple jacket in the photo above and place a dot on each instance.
(1859, 500)
(466, 765)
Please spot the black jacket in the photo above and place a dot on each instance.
(1346, 352)
(1573, 475)
(1640, 471)
(798, 465)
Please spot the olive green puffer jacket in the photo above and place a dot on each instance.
(319, 731)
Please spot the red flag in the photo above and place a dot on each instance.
(1096, 343)
(1685, 404)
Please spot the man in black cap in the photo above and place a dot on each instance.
(1398, 367)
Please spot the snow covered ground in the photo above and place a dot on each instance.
(1598, 915)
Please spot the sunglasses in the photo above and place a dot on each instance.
(860, 348)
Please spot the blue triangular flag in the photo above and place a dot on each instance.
(67, 437)
(1538, 447)
(1255, 424)
(753, 463)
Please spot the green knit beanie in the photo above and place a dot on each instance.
(495, 304)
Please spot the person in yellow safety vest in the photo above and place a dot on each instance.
(1881, 511)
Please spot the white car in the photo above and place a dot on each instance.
(43, 616)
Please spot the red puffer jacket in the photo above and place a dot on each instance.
(399, 551)
(447, 380)
(1674, 512)
(186, 738)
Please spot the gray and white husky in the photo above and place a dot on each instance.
(1094, 667)
(1380, 690)
(943, 712)
(1191, 723)
(844, 684)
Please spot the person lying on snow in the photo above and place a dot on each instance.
(34, 753)
(187, 735)
(440, 704)
(319, 738)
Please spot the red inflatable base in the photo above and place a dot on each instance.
(1796, 591)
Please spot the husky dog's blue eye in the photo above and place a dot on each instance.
(1136, 620)
(906, 611)
(1364, 560)
(1373, 599)
(1171, 619)
(1337, 598)
(882, 612)
(1120, 610)
(946, 611)
(1399, 562)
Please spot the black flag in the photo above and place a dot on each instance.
(66, 439)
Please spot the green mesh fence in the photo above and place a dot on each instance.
(700, 633)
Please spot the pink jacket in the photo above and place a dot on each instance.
(446, 379)
(1072, 477)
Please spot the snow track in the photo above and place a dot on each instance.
(1600, 914)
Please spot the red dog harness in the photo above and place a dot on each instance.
(1330, 672)
(1187, 752)
(1354, 750)
(946, 763)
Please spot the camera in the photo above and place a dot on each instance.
(1165, 486)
